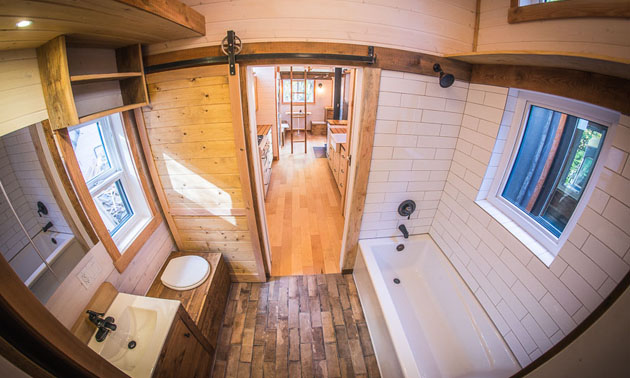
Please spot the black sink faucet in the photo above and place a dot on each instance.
(404, 231)
(103, 325)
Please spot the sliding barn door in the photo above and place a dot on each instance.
(193, 137)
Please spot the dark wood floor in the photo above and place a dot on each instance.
(298, 326)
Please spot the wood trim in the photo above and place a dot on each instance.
(369, 98)
(252, 168)
(276, 128)
(65, 180)
(36, 333)
(568, 9)
(155, 177)
(120, 109)
(623, 285)
(74, 171)
(65, 211)
(476, 29)
(174, 11)
(607, 91)
(386, 58)
(238, 123)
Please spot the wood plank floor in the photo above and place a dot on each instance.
(303, 209)
(298, 326)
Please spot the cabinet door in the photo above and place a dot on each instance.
(182, 355)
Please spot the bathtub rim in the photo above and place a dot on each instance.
(51, 258)
(392, 320)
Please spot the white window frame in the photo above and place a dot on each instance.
(294, 93)
(520, 219)
(122, 168)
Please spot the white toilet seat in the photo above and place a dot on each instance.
(186, 272)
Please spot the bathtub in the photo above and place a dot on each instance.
(61, 251)
(430, 324)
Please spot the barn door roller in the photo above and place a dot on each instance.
(232, 47)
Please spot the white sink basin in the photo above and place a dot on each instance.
(144, 320)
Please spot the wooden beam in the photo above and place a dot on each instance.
(386, 58)
(172, 10)
(607, 91)
(363, 159)
(53, 71)
(568, 9)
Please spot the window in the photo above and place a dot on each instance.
(108, 170)
(298, 91)
(549, 164)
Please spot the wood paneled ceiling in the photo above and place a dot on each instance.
(110, 23)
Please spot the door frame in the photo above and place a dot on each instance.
(366, 90)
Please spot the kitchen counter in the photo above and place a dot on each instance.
(262, 129)
(335, 122)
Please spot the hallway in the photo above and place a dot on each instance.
(303, 212)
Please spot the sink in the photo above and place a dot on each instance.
(337, 139)
(144, 320)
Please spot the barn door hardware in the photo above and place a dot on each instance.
(232, 47)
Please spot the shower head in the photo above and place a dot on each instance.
(446, 80)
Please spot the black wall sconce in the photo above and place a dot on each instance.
(446, 80)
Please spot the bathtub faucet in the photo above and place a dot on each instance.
(404, 231)
(47, 227)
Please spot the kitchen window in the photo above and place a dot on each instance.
(298, 91)
(550, 164)
(108, 169)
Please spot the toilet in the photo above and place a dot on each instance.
(185, 273)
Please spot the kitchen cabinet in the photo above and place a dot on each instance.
(337, 153)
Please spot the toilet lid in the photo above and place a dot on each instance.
(186, 272)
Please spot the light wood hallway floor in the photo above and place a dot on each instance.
(303, 208)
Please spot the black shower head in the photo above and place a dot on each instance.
(446, 80)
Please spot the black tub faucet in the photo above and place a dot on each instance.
(404, 231)
(47, 227)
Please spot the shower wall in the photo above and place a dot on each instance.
(25, 183)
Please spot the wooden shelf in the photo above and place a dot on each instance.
(600, 64)
(63, 91)
(92, 78)
(120, 109)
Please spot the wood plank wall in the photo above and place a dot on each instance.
(196, 166)
(597, 36)
(20, 90)
(437, 27)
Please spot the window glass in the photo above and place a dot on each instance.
(298, 90)
(113, 206)
(555, 160)
(89, 148)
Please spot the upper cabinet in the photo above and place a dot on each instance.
(82, 84)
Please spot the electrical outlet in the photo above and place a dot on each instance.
(89, 274)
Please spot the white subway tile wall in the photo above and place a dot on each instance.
(533, 306)
(24, 180)
(416, 134)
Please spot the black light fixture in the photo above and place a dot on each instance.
(446, 80)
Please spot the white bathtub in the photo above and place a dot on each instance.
(62, 257)
(430, 324)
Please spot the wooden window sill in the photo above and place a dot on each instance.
(567, 9)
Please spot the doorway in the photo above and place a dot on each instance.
(304, 137)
